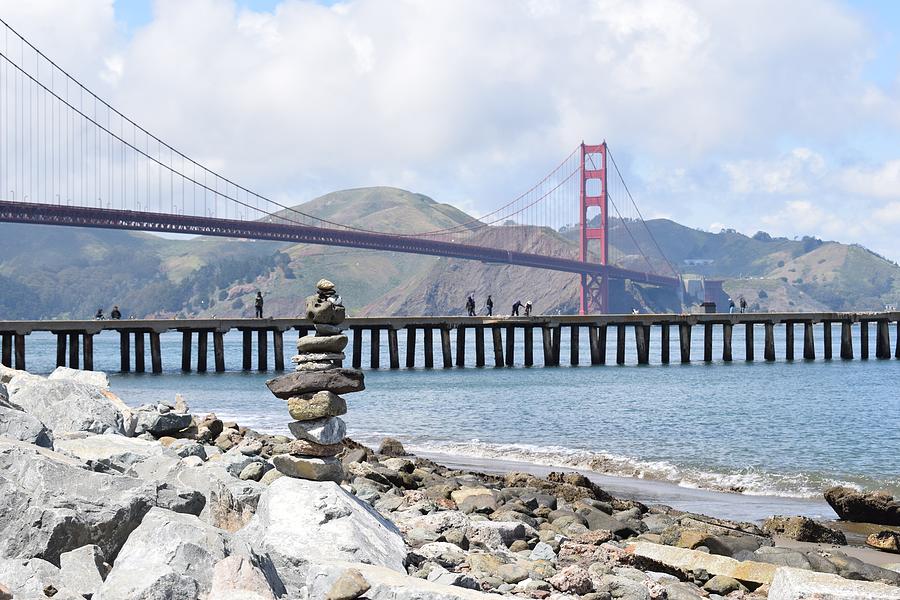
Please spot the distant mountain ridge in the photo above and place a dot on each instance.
(60, 272)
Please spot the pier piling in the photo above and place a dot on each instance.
(827, 348)
(87, 351)
(73, 350)
(375, 348)
(726, 341)
(664, 343)
(446, 354)
(684, 341)
(748, 342)
(429, 348)
(356, 358)
(139, 352)
(479, 346)
(707, 342)
(498, 346)
(510, 345)
(124, 350)
(769, 350)
(155, 353)
(186, 351)
(620, 344)
(247, 349)
(393, 349)
(789, 340)
(460, 347)
(809, 342)
(864, 340)
(219, 350)
(278, 347)
(574, 345)
(846, 340)
(262, 350)
(202, 351)
(528, 334)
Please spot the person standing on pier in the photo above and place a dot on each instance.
(99, 316)
(515, 308)
(116, 314)
(489, 304)
(743, 303)
(528, 308)
(470, 306)
(731, 306)
(259, 305)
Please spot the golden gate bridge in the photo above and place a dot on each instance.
(67, 157)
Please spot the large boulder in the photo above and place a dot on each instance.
(64, 405)
(864, 507)
(150, 420)
(65, 505)
(28, 579)
(798, 584)
(169, 555)
(97, 378)
(299, 522)
(112, 451)
(19, 425)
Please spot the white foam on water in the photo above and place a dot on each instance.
(750, 481)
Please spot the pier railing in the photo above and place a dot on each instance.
(74, 339)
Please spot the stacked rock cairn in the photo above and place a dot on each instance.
(312, 392)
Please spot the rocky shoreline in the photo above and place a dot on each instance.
(105, 501)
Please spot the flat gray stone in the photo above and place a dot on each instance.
(797, 584)
(19, 425)
(338, 381)
(327, 431)
(64, 405)
(322, 343)
(311, 468)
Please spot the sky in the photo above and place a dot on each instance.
(757, 115)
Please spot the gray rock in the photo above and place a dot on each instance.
(254, 472)
(64, 405)
(311, 468)
(97, 378)
(851, 505)
(83, 569)
(316, 406)
(27, 579)
(443, 553)
(115, 452)
(237, 578)
(160, 424)
(298, 522)
(795, 584)
(542, 551)
(185, 448)
(318, 357)
(169, 555)
(853, 568)
(322, 343)
(445, 577)
(803, 529)
(66, 505)
(19, 425)
(338, 381)
(387, 584)
(723, 585)
(497, 535)
(327, 431)
(392, 447)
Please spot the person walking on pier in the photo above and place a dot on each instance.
(470, 306)
(489, 304)
(116, 314)
(515, 308)
(259, 305)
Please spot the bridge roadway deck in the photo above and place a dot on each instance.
(104, 218)
(74, 347)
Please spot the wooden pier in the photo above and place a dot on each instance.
(75, 339)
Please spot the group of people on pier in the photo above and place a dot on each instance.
(489, 307)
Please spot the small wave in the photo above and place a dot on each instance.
(750, 481)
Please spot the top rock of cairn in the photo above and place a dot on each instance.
(325, 307)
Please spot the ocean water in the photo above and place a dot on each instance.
(787, 429)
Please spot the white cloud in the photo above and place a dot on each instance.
(472, 102)
(795, 173)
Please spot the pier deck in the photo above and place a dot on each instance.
(74, 346)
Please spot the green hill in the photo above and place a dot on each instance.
(60, 272)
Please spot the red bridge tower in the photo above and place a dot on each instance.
(594, 288)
